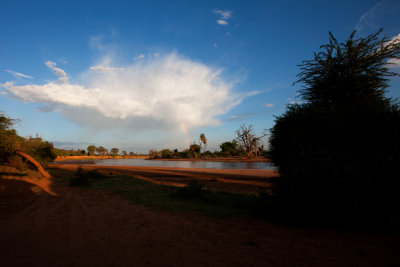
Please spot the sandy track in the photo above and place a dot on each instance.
(83, 227)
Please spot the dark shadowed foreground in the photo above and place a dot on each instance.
(51, 224)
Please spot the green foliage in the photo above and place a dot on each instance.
(101, 150)
(193, 191)
(154, 154)
(114, 151)
(166, 154)
(9, 140)
(42, 151)
(195, 148)
(80, 178)
(91, 149)
(71, 152)
(337, 153)
(230, 148)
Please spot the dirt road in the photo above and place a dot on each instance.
(81, 227)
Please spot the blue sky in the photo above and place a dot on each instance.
(139, 75)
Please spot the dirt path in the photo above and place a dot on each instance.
(83, 227)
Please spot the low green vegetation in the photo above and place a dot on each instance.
(11, 142)
(192, 198)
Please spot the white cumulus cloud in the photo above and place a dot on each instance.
(394, 62)
(159, 93)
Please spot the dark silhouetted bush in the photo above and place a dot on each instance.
(80, 178)
(338, 151)
(193, 191)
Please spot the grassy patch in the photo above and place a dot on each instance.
(192, 198)
(187, 199)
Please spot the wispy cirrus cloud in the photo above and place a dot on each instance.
(141, 56)
(62, 76)
(100, 68)
(18, 74)
(383, 14)
(159, 93)
(223, 15)
(367, 19)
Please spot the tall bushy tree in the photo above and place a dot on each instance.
(248, 140)
(91, 149)
(203, 142)
(337, 151)
(9, 140)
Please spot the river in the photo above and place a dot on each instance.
(174, 164)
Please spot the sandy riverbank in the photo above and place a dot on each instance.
(86, 227)
(233, 180)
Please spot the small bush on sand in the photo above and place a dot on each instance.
(193, 191)
(95, 174)
(81, 178)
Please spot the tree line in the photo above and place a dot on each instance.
(92, 150)
(246, 144)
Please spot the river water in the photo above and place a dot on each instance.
(174, 164)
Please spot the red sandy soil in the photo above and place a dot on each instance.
(84, 227)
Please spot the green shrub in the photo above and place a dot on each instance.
(81, 178)
(95, 174)
(193, 191)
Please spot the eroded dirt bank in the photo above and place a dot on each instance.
(84, 227)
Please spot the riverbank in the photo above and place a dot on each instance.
(229, 180)
(89, 227)
(65, 158)
(216, 159)
(219, 159)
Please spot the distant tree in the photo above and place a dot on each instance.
(166, 154)
(154, 153)
(91, 149)
(203, 142)
(195, 149)
(230, 148)
(248, 140)
(131, 154)
(101, 151)
(124, 153)
(114, 151)
(338, 151)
